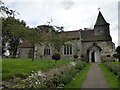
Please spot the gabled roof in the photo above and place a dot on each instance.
(67, 34)
(72, 34)
(25, 44)
(94, 44)
(88, 35)
(100, 20)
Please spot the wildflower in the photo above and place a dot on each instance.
(32, 71)
(72, 63)
(40, 73)
(36, 82)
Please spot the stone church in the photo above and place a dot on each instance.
(91, 45)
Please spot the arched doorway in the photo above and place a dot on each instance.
(93, 56)
(94, 53)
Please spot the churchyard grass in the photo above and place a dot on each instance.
(78, 79)
(17, 67)
(0, 69)
(110, 77)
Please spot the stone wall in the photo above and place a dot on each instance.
(39, 51)
(25, 52)
(108, 48)
(76, 49)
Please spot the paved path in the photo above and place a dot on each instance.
(95, 78)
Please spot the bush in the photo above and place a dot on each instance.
(80, 66)
(56, 56)
(113, 67)
(76, 56)
(58, 80)
(65, 76)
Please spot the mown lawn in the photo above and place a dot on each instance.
(111, 79)
(78, 79)
(0, 69)
(16, 67)
(115, 62)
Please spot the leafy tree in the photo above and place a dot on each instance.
(34, 37)
(118, 49)
(6, 11)
(53, 35)
(57, 39)
(45, 28)
(13, 31)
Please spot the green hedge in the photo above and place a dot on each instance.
(59, 81)
(77, 81)
(62, 79)
(113, 67)
(110, 77)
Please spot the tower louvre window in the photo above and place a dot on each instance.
(99, 30)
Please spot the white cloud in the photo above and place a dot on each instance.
(72, 14)
(86, 1)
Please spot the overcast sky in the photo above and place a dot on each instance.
(71, 14)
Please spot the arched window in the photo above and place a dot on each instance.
(47, 50)
(68, 49)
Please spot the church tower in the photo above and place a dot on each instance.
(101, 27)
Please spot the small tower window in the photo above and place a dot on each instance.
(99, 30)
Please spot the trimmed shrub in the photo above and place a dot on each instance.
(76, 56)
(56, 56)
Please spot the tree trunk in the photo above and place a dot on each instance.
(55, 62)
(33, 54)
(11, 54)
(15, 52)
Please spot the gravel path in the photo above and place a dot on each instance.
(94, 78)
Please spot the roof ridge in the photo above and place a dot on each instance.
(72, 31)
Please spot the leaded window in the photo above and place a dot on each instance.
(68, 49)
(47, 50)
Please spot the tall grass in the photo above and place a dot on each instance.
(13, 67)
(112, 79)
(78, 79)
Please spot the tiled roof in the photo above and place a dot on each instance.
(72, 34)
(25, 44)
(88, 35)
(66, 34)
